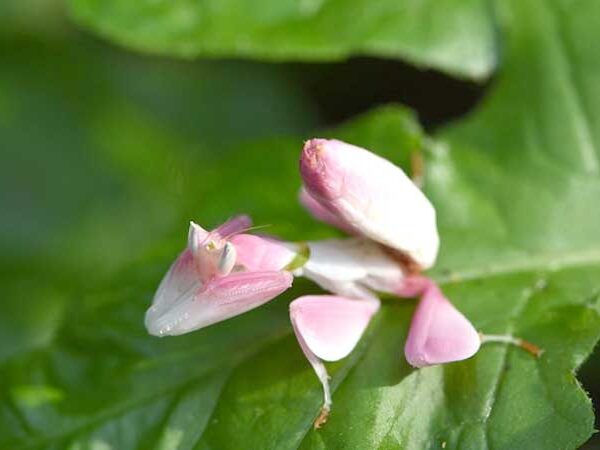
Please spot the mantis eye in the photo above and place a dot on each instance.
(227, 259)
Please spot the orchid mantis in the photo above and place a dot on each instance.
(226, 272)
(221, 274)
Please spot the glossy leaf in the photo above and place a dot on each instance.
(452, 35)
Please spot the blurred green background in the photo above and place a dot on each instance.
(106, 154)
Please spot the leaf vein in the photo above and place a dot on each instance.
(501, 374)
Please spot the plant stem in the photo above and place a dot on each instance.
(509, 339)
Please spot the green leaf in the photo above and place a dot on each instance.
(456, 36)
(515, 185)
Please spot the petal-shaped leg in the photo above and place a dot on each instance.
(328, 328)
(218, 300)
(439, 333)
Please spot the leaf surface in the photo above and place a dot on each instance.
(456, 36)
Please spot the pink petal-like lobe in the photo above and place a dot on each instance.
(218, 300)
(371, 195)
(439, 333)
(181, 278)
(331, 326)
(259, 253)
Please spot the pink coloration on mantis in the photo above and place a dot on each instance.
(319, 212)
(439, 333)
(207, 284)
(214, 255)
(238, 224)
(412, 286)
(371, 195)
(328, 328)
(330, 325)
(260, 253)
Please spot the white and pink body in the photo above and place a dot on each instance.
(226, 272)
